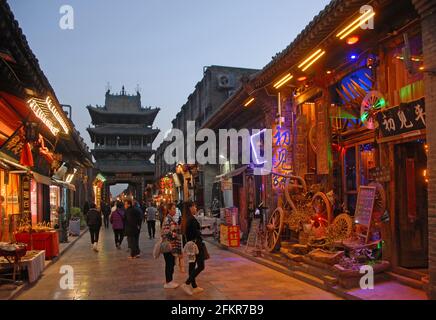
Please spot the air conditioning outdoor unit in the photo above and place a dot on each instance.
(226, 81)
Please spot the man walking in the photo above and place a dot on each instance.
(132, 228)
(106, 213)
(93, 220)
(151, 212)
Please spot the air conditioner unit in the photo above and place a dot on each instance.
(226, 81)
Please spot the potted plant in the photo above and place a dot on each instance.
(75, 221)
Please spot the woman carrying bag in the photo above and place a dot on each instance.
(171, 245)
(192, 232)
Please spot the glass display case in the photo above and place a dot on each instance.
(54, 204)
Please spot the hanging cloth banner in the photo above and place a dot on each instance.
(411, 190)
(26, 158)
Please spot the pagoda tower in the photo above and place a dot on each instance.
(123, 136)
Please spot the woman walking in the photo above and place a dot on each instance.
(93, 220)
(171, 232)
(117, 221)
(191, 231)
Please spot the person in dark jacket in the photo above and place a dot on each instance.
(192, 232)
(133, 221)
(93, 220)
(85, 208)
(117, 221)
(106, 210)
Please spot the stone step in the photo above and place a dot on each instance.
(309, 278)
(409, 273)
(417, 284)
(316, 272)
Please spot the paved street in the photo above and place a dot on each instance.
(109, 274)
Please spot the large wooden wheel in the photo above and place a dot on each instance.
(298, 185)
(343, 226)
(380, 197)
(322, 206)
(274, 228)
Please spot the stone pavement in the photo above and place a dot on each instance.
(109, 274)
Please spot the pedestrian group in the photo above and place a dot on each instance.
(180, 236)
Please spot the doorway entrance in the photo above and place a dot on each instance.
(411, 204)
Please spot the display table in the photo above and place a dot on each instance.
(33, 261)
(48, 241)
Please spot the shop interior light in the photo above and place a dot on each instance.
(70, 177)
(352, 40)
(302, 78)
(311, 59)
(355, 24)
(328, 72)
(246, 104)
(283, 80)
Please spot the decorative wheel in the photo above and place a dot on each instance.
(372, 102)
(322, 206)
(312, 138)
(342, 226)
(380, 197)
(291, 188)
(274, 228)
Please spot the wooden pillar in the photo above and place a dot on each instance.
(427, 12)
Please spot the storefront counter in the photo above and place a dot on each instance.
(48, 241)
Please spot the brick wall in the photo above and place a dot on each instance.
(427, 11)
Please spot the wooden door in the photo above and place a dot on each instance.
(411, 205)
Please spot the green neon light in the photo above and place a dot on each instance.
(100, 177)
(380, 104)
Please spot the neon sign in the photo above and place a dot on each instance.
(282, 152)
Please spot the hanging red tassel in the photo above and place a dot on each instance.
(26, 158)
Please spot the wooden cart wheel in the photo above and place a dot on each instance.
(312, 138)
(343, 226)
(321, 204)
(301, 185)
(380, 197)
(274, 228)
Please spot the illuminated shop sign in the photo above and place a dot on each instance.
(39, 112)
(45, 110)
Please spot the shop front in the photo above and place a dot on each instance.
(349, 163)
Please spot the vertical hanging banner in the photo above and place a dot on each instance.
(411, 190)
(322, 139)
(301, 146)
(25, 197)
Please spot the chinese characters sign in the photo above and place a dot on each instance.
(282, 156)
(403, 118)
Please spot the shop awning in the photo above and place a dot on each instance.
(232, 173)
(39, 178)
(11, 164)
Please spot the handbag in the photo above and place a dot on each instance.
(166, 247)
(206, 255)
(156, 249)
